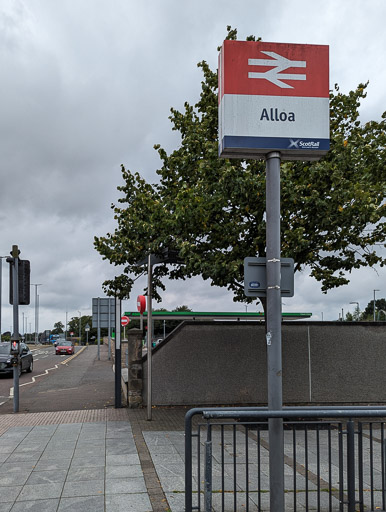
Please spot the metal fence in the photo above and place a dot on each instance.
(334, 459)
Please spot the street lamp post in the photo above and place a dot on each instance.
(374, 305)
(87, 329)
(80, 323)
(36, 312)
(357, 303)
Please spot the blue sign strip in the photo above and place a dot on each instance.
(278, 143)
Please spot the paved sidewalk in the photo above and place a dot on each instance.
(78, 461)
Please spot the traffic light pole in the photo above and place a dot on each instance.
(15, 337)
(118, 363)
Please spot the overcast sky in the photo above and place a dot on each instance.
(87, 85)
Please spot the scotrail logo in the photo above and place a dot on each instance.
(301, 144)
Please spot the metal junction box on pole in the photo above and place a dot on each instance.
(255, 277)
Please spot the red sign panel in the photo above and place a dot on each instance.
(275, 69)
(141, 303)
(125, 320)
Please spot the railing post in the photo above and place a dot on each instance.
(188, 461)
(384, 472)
(351, 465)
(208, 470)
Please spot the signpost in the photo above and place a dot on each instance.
(273, 104)
(103, 316)
(141, 307)
(124, 321)
(273, 97)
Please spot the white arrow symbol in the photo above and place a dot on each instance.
(280, 63)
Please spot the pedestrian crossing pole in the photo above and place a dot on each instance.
(15, 341)
(118, 372)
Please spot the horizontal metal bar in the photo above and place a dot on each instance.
(286, 413)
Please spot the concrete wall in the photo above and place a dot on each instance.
(224, 363)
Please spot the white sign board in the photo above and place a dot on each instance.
(273, 97)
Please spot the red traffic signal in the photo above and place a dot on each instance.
(14, 347)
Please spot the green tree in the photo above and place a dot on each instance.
(368, 313)
(212, 210)
(58, 328)
(73, 326)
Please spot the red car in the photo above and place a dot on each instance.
(64, 347)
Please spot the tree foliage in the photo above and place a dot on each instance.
(212, 210)
(380, 310)
(73, 326)
(58, 328)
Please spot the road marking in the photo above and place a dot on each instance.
(73, 355)
(11, 391)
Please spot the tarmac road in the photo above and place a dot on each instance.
(82, 382)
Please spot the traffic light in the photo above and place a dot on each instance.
(24, 282)
(14, 347)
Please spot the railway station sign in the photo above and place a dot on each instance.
(273, 97)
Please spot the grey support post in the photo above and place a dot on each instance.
(149, 345)
(118, 370)
(274, 352)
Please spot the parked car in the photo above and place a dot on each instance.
(64, 347)
(26, 358)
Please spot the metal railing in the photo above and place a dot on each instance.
(334, 459)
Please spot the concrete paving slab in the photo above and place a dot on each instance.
(36, 506)
(125, 485)
(122, 460)
(131, 471)
(52, 464)
(84, 474)
(47, 477)
(83, 488)
(41, 491)
(89, 451)
(52, 454)
(128, 503)
(31, 457)
(89, 462)
(14, 479)
(82, 504)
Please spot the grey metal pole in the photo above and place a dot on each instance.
(149, 329)
(15, 336)
(118, 359)
(274, 352)
(374, 304)
(36, 314)
(37, 318)
(80, 328)
(1, 288)
(36, 311)
(99, 327)
(109, 331)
